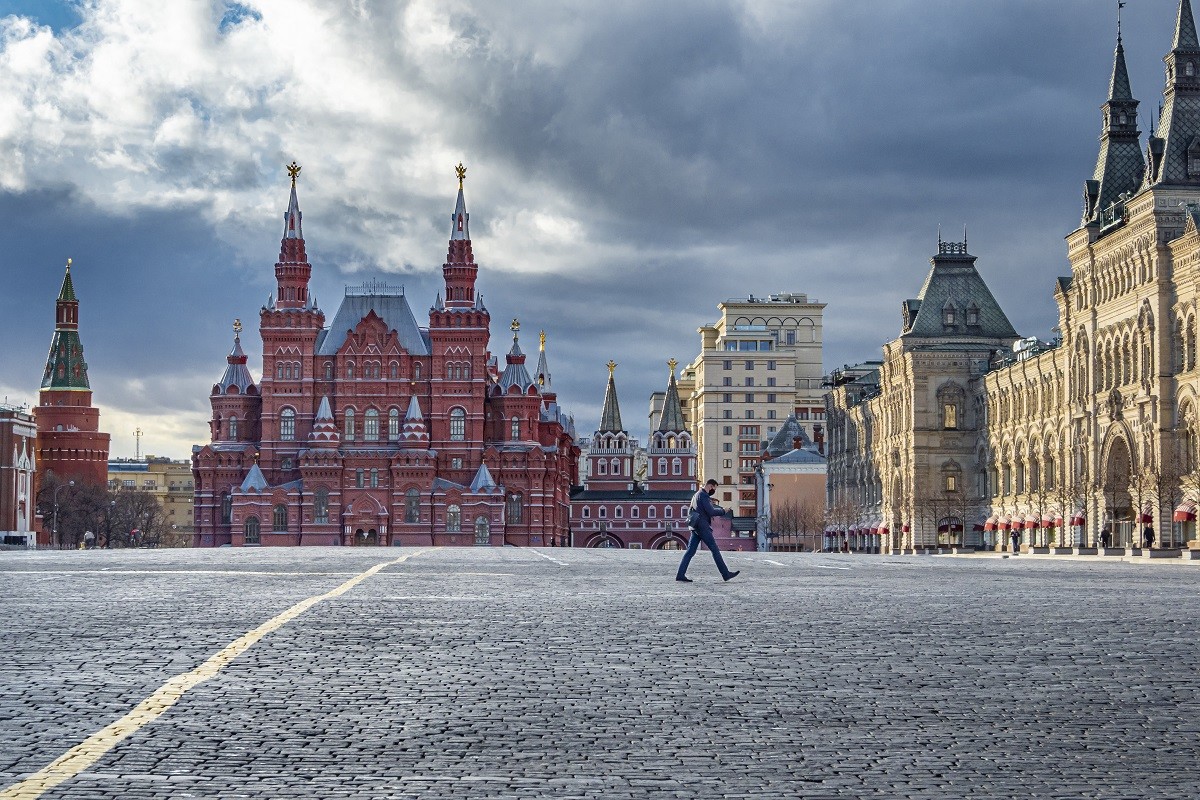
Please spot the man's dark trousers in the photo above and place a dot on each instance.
(694, 544)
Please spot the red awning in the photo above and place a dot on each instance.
(884, 531)
(1145, 519)
(904, 528)
(1032, 522)
(1186, 512)
(1077, 520)
(976, 527)
(1047, 522)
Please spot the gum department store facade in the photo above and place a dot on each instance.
(378, 431)
(966, 434)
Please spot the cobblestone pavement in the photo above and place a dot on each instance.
(518, 673)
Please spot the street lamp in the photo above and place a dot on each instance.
(56, 490)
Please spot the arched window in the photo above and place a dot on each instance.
(514, 432)
(514, 509)
(458, 425)
(371, 425)
(417, 371)
(482, 531)
(393, 424)
(395, 367)
(453, 519)
(279, 519)
(233, 427)
(359, 478)
(412, 506)
(349, 426)
(328, 370)
(250, 530)
(287, 424)
(633, 512)
(668, 511)
(603, 513)
(602, 466)
(676, 466)
(619, 512)
(587, 512)
(321, 506)
(651, 512)
(349, 369)
(662, 466)
(226, 508)
(615, 467)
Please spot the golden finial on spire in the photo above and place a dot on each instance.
(461, 172)
(612, 367)
(237, 327)
(672, 364)
(542, 340)
(293, 170)
(515, 326)
(68, 265)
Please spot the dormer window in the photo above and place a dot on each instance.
(948, 317)
(1193, 158)
(972, 314)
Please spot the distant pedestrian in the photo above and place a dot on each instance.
(1148, 537)
(699, 521)
(89, 540)
(1016, 541)
(1105, 537)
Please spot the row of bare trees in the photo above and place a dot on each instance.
(123, 517)
(797, 524)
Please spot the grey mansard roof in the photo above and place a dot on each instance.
(954, 282)
(390, 305)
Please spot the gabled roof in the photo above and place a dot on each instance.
(255, 480)
(783, 441)
(802, 456)
(953, 280)
(482, 482)
(390, 306)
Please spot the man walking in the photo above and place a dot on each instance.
(700, 522)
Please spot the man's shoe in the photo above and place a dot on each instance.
(683, 580)
(733, 575)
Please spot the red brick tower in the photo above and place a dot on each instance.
(69, 442)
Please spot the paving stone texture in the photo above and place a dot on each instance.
(517, 673)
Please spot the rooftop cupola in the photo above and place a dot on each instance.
(515, 373)
(65, 367)
(236, 374)
(1174, 153)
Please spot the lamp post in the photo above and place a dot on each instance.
(57, 488)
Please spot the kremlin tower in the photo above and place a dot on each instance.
(69, 443)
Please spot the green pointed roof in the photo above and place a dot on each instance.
(67, 293)
(65, 367)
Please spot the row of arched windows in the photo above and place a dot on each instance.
(458, 370)
(371, 369)
(634, 512)
(288, 370)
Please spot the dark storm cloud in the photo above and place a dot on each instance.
(676, 155)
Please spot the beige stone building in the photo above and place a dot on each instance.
(759, 363)
(171, 482)
(1087, 440)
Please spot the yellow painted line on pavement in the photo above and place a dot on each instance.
(92, 749)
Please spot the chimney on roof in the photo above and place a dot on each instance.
(819, 439)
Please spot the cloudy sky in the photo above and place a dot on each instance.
(630, 165)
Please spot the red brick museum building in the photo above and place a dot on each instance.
(375, 430)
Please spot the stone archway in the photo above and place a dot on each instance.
(1116, 502)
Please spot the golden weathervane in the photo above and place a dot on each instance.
(612, 367)
(293, 170)
(461, 172)
(68, 265)
(515, 326)
(542, 338)
(237, 327)
(672, 364)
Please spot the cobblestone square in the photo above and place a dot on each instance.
(522, 673)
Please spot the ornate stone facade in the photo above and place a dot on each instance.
(378, 431)
(1088, 440)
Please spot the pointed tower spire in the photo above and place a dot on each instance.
(324, 431)
(415, 433)
(671, 419)
(1119, 165)
(610, 416)
(1185, 28)
(292, 271)
(543, 369)
(65, 367)
(459, 270)
(1174, 153)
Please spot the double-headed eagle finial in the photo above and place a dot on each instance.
(612, 367)
(237, 327)
(293, 170)
(461, 172)
(672, 363)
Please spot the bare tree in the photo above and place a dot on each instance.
(1166, 475)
